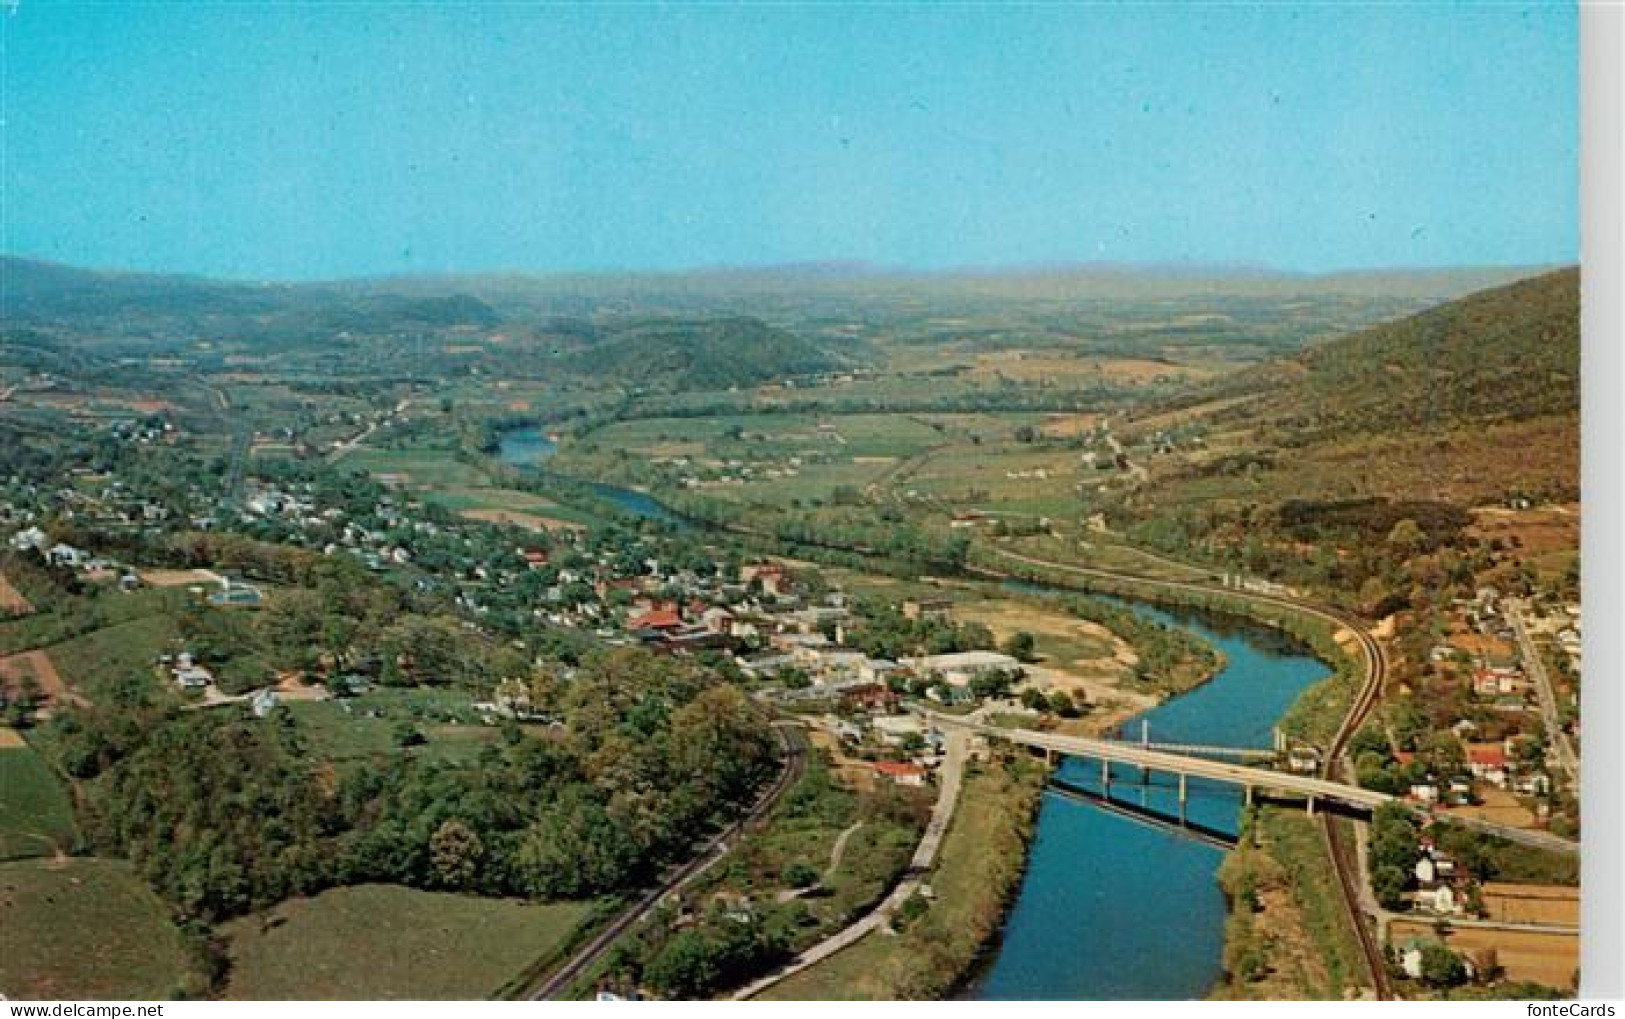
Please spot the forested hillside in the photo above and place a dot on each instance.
(1506, 354)
(702, 354)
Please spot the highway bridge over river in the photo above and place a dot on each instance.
(1316, 791)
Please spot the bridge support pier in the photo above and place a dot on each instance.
(1182, 779)
(1105, 777)
(1247, 795)
(1311, 804)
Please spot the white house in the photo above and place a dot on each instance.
(193, 677)
(264, 702)
(894, 729)
(32, 538)
(960, 668)
(63, 554)
(1426, 873)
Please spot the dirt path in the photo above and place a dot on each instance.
(38, 664)
(839, 848)
(925, 854)
(12, 602)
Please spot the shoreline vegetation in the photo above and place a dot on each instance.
(1286, 935)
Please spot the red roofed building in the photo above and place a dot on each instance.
(1487, 754)
(656, 619)
(871, 697)
(1488, 761)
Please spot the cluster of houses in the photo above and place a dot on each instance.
(89, 498)
(1439, 883)
(383, 540)
(1495, 764)
(192, 677)
(1484, 645)
(231, 592)
(61, 554)
(188, 674)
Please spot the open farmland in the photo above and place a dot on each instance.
(36, 815)
(416, 468)
(78, 928)
(439, 946)
(370, 727)
(1529, 903)
(36, 668)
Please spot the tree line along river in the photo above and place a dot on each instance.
(1111, 907)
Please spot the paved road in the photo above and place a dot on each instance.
(795, 747)
(350, 445)
(1562, 745)
(950, 776)
(1120, 752)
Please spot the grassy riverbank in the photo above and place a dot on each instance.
(977, 874)
(1287, 935)
(1318, 711)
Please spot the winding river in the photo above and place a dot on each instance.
(530, 446)
(1111, 907)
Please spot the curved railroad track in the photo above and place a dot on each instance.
(795, 762)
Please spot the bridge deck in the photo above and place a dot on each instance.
(1321, 789)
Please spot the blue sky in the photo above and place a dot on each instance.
(278, 141)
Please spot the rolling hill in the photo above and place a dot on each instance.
(701, 354)
(1507, 354)
(1469, 401)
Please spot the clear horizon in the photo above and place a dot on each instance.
(298, 143)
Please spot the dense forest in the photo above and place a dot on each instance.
(225, 813)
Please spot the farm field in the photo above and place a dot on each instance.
(1549, 959)
(508, 506)
(1100, 553)
(1500, 806)
(369, 727)
(1062, 641)
(764, 436)
(416, 468)
(92, 662)
(1528, 903)
(78, 928)
(36, 667)
(440, 946)
(36, 816)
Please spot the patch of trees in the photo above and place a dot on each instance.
(1395, 848)
(1417, 525)
(880, 630)
(225, 813)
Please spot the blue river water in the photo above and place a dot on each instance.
(525, 447)
(1111, 907)
(529, 446)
